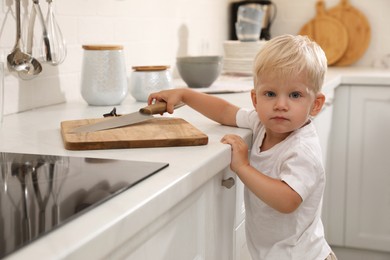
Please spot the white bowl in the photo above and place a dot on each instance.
(242, 50)
(244, 66)
(199, 71)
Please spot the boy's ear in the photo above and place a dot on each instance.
(318, 104)
(254, 98)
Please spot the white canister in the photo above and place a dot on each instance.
(103, 78)
(147, 79)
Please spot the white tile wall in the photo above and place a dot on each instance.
(153, 32)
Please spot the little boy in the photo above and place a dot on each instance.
(284, 176)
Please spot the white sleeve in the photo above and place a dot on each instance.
(247, 118)
(302, 172)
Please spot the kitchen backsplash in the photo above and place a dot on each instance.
(153, 32)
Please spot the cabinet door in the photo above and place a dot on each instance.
(199, 227)
(323, 122)
(335, 144)
(241, 251)
(368, 169)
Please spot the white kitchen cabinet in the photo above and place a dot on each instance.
(241, 250)
(358, 189)
(323, 127)
(202, 226)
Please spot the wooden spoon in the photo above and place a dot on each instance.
(328, 32)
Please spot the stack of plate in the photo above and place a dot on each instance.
(239, 56)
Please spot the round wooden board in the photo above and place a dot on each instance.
(358, 29)
(328, 32)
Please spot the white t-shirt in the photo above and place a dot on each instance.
(297, 161)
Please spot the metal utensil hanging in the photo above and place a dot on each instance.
(57, 41)
(46, 46)
(52, 45)
(18, 61)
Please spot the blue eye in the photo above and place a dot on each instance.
(295, 95)
(270, 94)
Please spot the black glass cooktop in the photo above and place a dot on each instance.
(39, 193)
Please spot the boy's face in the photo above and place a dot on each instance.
(285, 105)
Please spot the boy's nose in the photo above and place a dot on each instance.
(281, 103)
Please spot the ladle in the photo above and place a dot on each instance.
(24, 64)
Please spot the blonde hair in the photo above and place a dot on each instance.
(287, 56)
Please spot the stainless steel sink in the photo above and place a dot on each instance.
(39, 193)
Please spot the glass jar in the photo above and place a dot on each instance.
(147, 79)
(103, 77)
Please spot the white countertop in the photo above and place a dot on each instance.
(38, 131)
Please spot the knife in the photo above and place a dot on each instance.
(144, 114)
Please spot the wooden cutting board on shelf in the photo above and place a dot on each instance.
(328, 32)
(157, 132)
(358, 28)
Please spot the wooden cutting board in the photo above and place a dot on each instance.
(358, 28)
(157, 132)
(328, 32)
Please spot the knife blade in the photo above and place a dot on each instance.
(144, 114)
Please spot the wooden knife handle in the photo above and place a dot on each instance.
(157, 108)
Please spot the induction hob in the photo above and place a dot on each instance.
(39, 193)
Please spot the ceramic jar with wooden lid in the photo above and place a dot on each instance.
(147, 79)
(103, 78)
